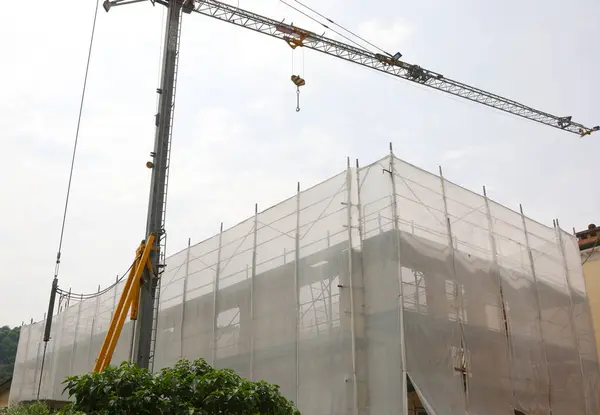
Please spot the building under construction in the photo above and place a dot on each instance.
(382, 289)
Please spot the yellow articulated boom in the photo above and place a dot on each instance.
(130, 298)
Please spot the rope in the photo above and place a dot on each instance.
(64, 219)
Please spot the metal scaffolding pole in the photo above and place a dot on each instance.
(252, 286)
(538, 306)
(503, 307)
(184, 296)
(398, 240)
(297, 290)
(216, 299)
(459, 290)
(74, 347)
(571, 314)
(351, 288)
(329, 304)
(90, 359)
(24, 364)
(37, 359)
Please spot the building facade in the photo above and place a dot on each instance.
(589, 245)
(383, 290)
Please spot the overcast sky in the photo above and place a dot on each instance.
(238, 139)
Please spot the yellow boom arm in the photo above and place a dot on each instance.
(129, 300)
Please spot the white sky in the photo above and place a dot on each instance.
(237, 137)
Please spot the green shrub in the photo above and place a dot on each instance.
(187, 388)
(36, 408)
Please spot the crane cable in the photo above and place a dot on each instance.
(361, 47)
(342, 27)
(64, 219)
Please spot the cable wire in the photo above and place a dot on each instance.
(358, 45)
(342, 27)
(64, 219)
(85, 296)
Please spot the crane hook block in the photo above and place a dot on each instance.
(298, 81)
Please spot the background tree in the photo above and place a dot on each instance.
(9, 340)
(187, 388)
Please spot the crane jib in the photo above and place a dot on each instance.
(297, 37)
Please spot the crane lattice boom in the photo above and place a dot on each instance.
(296, 37)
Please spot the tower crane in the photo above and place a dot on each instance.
(392, 65)
(144, 279)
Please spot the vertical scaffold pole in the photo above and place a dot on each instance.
(351, 288)
(37, 359)
(563, 254)
(460, 314)
(398, 241)
(216, 300)
(297, 291)
(90, 358)
(25, 358)
(538, 306)
(184, 297)
(74, 347)
(503, 308)
(252, 285)
(359, 207)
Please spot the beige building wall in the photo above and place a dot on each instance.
(590, 259)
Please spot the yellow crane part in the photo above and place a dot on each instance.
(129, 300)
(297, 36)
(298, 81)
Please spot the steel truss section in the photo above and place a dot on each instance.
(295, 36)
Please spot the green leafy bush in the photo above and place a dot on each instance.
(9, 340)
(36, 408)
(187, 388)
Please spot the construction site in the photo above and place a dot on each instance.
(385, 289)
(338, 293)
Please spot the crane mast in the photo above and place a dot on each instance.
(145, 333)
(155, 221)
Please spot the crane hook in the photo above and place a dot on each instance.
(298, 82)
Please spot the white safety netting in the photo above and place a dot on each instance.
(381, 279)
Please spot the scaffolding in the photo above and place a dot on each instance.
(382, 279)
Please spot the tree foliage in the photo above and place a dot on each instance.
(187, 388)
(9, 340)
